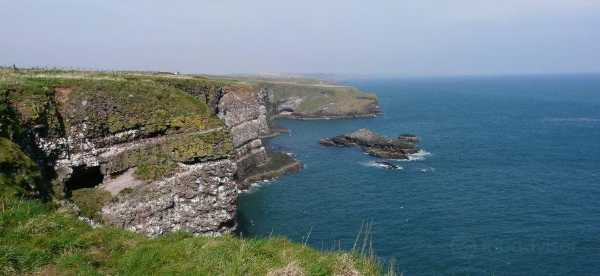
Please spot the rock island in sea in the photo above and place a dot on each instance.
(375, 144)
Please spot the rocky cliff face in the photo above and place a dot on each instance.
(244, 110)
(172, 153)
(165, 157)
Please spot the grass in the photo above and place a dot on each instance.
(34, 237)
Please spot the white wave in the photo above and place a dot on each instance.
(420, 155)
(256, 185)
(379, 165)
(426, 170)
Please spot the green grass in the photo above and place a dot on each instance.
(34, 237)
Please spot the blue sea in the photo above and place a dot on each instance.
(508, 182)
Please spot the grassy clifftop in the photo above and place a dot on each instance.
(108, 104)
(54, 105)
(37, 239)
(320, 100)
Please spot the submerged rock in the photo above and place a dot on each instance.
(375, 144)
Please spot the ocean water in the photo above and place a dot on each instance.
(509, 183)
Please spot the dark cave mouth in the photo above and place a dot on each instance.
(84, 177)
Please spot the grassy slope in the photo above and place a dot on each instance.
(36, 238)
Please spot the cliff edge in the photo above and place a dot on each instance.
(157, 153)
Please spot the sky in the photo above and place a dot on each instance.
(399, 37)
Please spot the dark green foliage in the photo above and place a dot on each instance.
(9, 121)
(19, 175)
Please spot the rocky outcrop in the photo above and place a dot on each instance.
(244, 110)
(375, 144)
(167, 159)
(201, 199)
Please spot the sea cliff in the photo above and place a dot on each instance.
(156, 153)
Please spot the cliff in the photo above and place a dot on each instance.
(39, 238)
(304, 97)
(319, 101)
(154, 153)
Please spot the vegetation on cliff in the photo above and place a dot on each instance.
(55, 104)
(156, 124)
(19, 175)
(39, 238)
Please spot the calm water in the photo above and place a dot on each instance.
(511, 187)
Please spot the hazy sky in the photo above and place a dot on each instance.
(403, 37)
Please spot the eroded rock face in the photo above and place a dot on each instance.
(375, 144)
(201, 199)
(210, 166)
(155, 143)
(245, 112)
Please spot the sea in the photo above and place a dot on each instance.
(507, 182)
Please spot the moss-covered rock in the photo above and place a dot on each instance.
(155, 160)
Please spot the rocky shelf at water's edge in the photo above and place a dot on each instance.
(375, 144)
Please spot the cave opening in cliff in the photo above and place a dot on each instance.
(84, 177)
(286, 110)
